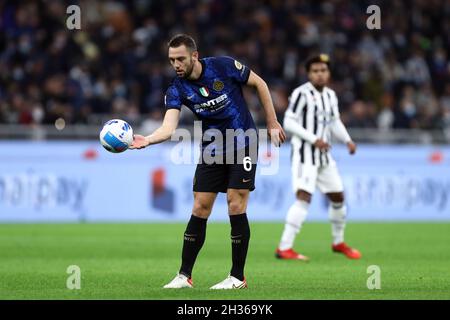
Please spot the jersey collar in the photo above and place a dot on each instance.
(203, 69)
(311, 87)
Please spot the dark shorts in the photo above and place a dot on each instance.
(218, 177)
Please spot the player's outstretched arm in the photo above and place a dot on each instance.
(161, 134)
(276, 132)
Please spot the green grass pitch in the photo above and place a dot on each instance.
(134, 261)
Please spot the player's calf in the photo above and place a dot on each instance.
(194, 237)
(337, 214)
(240, 237)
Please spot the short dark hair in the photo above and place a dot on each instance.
(320, 58)
(181, 39)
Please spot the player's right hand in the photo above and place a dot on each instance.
(276, 133)
(322, 145)
(139, 142)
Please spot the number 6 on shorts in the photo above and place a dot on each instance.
(247, 162)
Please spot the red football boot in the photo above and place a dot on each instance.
(290, 254)
(345, 249)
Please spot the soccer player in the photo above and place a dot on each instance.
(312, 117)
(212, 89)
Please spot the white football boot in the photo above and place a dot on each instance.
(180, 281)
(230, 283)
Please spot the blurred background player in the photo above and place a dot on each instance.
(312, 117)
(211, 88)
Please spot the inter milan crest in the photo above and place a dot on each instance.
(218, 85)
(204, 91)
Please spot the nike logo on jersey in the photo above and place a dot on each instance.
(245, 181)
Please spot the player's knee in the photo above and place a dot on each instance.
(237, 201)
(236, 206)
(337, 197)
(303, 196)
(201, 209)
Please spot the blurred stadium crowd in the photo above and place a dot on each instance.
(396, 77)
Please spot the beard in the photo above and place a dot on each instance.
(189, 70)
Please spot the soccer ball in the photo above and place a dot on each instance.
(116, 136)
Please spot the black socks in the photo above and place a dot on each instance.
(194, 237)
(240, 236)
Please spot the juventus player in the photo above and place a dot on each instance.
(312, 117)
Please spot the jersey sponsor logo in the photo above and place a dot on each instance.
(204, 91)
(212, 105)
(218, 85)
(238, 65)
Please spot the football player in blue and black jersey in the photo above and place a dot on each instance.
(212, 89)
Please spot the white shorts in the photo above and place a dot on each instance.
(307, 176)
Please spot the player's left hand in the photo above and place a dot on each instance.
(276, 132)
(351, 146)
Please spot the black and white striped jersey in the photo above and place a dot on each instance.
(313, 115)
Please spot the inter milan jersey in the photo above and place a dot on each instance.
(216, 99)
